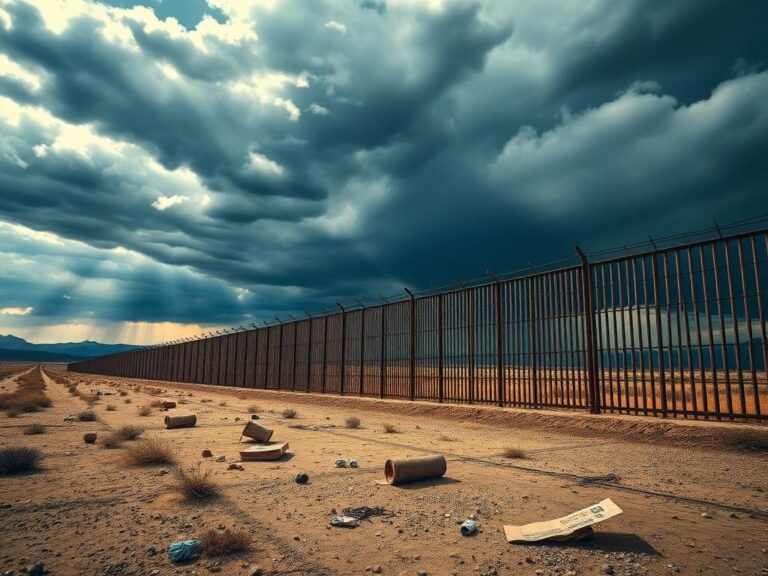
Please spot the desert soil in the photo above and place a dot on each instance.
(692, 503)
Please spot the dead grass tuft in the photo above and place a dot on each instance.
(352, 422)
(87, 416)
(150, 452)
(223, 403)
(225, 542)
(122, 393)
(18, 459)
(289, 413)
(111, 407)
(129, 432)
(34, 429)
(514, 453)
(391, 429)
(196, 485)
(253, 408)
(113, 440)
(144, 410)
(156, 403)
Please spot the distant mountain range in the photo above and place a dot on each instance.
(15, 349)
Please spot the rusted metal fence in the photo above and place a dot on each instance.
(677, 331)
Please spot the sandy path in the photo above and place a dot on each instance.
(101, 517)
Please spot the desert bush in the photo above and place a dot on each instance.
(289, 413)
(127, 400)
(144, 410)
(149, 452)
(352, 422)
(12, 412)
(196, 485)
(225, 542)
(445, 438)
(183, 401)
(223, 403)
(28, 397)
(156, 403)
(113, 440)
(88, 398)
(514, 453)
(253, 408)
(111, 407)
(87, 416)
(122, 393)
(34, 429)
(18, 459)
(391, 429)
(129, 432)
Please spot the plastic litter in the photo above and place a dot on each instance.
(302, 478)
(366, 512)
(468, 527)
(340, 463)
(71, 418)
(184, 550)
(352, 463)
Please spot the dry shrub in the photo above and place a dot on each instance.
(156, 403)
(127, 400)
(289, 413)
(129, 432)
(34, 429)
(514, 453)
(144, 410)
(352, 422)
(29, 395)
(122, 393)
(183, 401)
(12, 412)
(15, 460)
(113, 440)
(225, 542)
(223, 403)
(445, 438)
(149, 452)
(196, 485)
(391, 429)
(87, 416)
(111, 407)
(88, 398)
(72, 389)
(253, 408)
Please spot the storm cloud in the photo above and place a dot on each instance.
(228, 163)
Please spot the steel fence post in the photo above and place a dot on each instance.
(589, 332)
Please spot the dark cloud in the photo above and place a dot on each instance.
(274, 159)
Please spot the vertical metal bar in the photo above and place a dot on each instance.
(646, 301)
(309, 357)
(533, 341)
(711, 337)
(736, 337)
(589, 332)
(295, 352)
(750, 336)
(687, 325)
(266, 359)
(640, 336)
(670, 342)
(362, 349)
(470, 343)
(382, 359)
(280, 356)
(499, 343)
(659, 337)
(723, 341)
(440, 367)
(760, 309)
(325, 353)
(412, 345)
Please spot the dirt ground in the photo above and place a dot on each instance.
(692, 504)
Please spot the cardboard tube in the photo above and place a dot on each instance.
(185, 421)
(413, 469)
(257, 432)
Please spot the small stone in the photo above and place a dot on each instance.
(376, 570)
(162, 472)
(608, 569)
(207, 453)
(37, 569)
(151, 551)
(256, 571)
(706, 515)
(221, 458)
(422, 572)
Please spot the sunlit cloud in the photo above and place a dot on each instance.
(16, 311)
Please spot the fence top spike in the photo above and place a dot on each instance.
(340, 306)
(409, 292)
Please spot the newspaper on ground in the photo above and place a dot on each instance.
(562, 528)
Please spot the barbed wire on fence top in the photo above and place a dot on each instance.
(632, 249)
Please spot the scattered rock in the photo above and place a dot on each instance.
(256, 571)
(207, 453)
(235, 466)
(89, 437)
(37, 569)
(608, 569)
(221, 458)
(151, 551)
(706, 515)
(162, 472)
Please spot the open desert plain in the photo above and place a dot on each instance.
(693, 495)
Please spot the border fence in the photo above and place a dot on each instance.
(677, 331)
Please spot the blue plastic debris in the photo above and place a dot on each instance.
(468, 527)
(184, 550)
